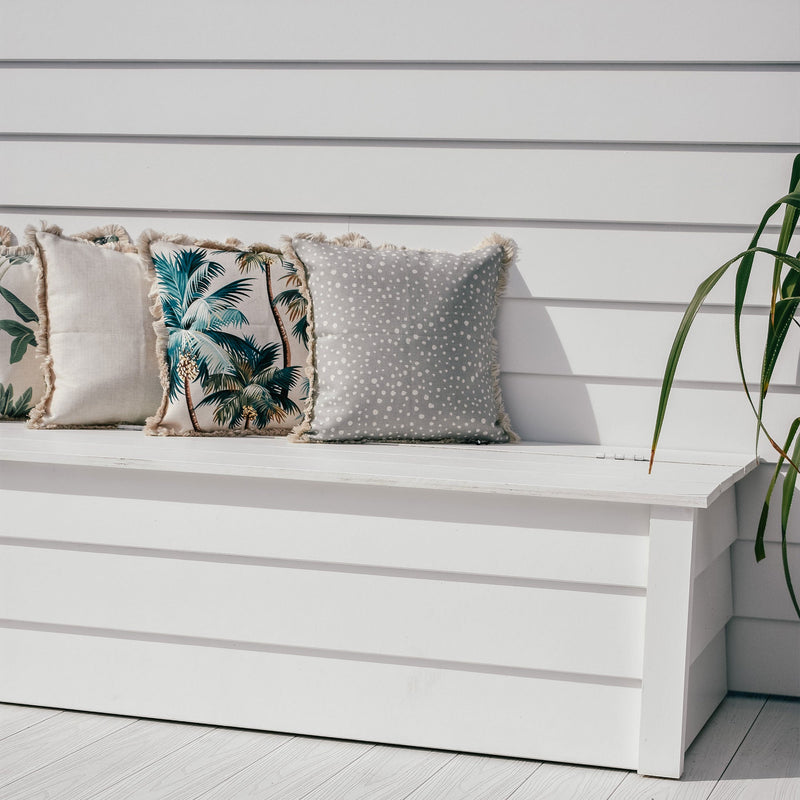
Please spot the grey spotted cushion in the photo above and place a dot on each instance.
(402, 341)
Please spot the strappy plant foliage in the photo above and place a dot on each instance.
(784, 301)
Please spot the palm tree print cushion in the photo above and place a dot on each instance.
(402, 341)
(96, 336)
(21, 382)
(232, 337)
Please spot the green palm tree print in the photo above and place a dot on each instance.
(195, 317)
(256, 392)
(295, 303)
(250, 260)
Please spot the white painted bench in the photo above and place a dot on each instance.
(549, 602)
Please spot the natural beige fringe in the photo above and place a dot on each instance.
(37, 417)
(6, 237)
(353, 239)
(152, 425)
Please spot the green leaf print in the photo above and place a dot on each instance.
(24, 312)
(10, 408)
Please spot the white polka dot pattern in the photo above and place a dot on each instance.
(404, 344)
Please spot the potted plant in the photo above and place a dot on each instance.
(784, 301)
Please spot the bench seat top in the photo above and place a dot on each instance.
(590, 472)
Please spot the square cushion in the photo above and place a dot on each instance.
(96, 339)
(402, 341)
(21, 382)
(231, 329)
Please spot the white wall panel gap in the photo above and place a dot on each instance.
(320, 566)
(314, 652)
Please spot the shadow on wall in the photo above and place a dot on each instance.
(545, 400)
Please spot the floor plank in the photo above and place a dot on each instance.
(566, 782)
(291, 771)
(384, 773)
(752, 742)
(14, 719)
(767, 765)
(469, 777)
(96, 767)
(197, 767)
(706, 759)
(52, 739)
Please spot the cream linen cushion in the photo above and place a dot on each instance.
(96, 339)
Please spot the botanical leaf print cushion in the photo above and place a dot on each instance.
(21, 382)
(231, 323)
(96, 339)
(402, 341)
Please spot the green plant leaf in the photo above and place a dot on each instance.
(24, 312)
(23, 405)
(14, 328)
(20, 345)
(762, 522)
(776, 335)
(789, 483)
(685, 325)
(5, 398)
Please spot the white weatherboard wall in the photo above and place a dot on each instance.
(629, 147)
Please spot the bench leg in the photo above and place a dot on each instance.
(666, 644)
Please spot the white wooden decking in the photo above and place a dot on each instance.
(749, 749)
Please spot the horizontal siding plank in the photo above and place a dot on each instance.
(621, 413)
(764, 656)
(634, 343)
(716, 531)
(567, 262)
(708, 686)
(415, 706)
(445, 181)
(391, 617)
(712, 605)
(619, 30)
(513, 538)
(759, 587)
(567, 105)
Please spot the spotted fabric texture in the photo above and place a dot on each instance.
(403, 343)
